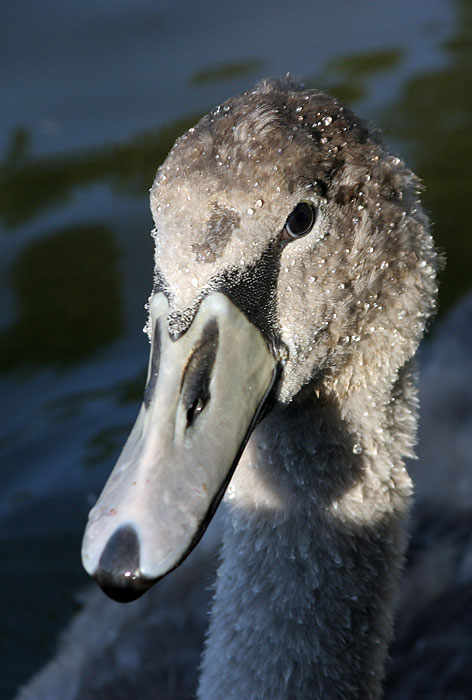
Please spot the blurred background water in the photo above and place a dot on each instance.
(93, 94)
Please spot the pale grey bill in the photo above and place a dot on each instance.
(179, 457)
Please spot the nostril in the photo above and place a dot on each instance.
(197, 378)
(118, 572)
(197, 407)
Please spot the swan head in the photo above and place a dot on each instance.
(290, 247)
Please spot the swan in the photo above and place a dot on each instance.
(294, 276)
(111, 651)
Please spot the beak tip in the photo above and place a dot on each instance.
(118, 572)
(122, 589)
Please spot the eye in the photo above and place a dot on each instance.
(300, 221)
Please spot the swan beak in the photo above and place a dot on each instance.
(205, 392)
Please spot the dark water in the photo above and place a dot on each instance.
(93, 95)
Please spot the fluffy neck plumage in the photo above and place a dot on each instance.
(312, 551)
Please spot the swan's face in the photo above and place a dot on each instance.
(280, 235)
(221, 202)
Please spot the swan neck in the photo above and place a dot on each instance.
(311, 556)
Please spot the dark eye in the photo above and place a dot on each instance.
(300, 221)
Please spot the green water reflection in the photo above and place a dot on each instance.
(350, 77)
(68, 291)
(225, 71)
(434, 116)
(30, 186)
